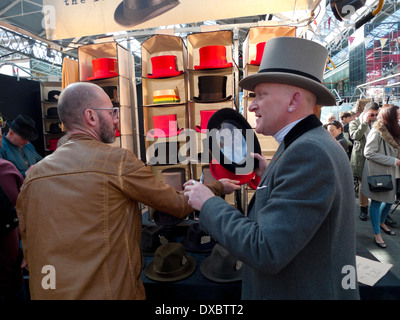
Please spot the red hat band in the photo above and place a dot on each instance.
(164, 66)
(260, 51)
(104, 68)
(164, 126)
(213, 57)
(219, 172)
(205, 116)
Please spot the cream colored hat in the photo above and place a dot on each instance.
(294, 61)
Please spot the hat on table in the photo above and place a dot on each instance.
(212, 89)
(293, 61)
(24, 126)
(221, 266)
(213, 57)
(197, 240)
(171, 263)
(104, 68)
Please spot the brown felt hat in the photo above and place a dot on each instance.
(171, 263)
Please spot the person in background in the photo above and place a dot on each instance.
(331, 117)
(16, 147)
(335, 128)
(382, 153)
(85, 220)
(359, 130)
(11, 259)
(300, 229)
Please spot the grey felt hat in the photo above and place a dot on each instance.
(293, 61)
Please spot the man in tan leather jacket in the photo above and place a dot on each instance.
(79, 217)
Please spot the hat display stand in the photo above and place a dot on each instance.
(111, 66)
(52, 129)
(212, 71)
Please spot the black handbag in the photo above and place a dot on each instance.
(381, 182)
(8, 214)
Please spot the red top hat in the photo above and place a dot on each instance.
(164, 126)
(219, 172)
(205, 116)
(164, 67)
(213, 57)
(259, 54)
(104, 68)
(53, 144)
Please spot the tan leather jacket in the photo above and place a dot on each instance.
(79, 213)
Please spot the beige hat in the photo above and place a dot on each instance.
(294, 61)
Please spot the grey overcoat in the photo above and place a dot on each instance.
(299, 234)
(380, 161)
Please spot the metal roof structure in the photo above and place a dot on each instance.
(23, 38)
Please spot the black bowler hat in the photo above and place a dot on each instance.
(53, 96)
(133, 12)
(24, 126)
(52, 113)
(212, 89)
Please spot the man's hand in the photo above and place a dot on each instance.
(262, 164)
(229, 185)
(196, 194)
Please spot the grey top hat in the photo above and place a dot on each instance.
(133, 12)
(171, 263)
(24, 126)
(293, 61)
(221, 266)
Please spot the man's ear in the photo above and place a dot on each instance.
(91, 117)
(295, 101)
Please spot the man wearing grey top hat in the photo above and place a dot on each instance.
(16, 147)
(298, 240)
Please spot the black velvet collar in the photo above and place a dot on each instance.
(303, 126)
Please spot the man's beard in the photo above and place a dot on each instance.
(106, 134)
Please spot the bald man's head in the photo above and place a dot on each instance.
(75, 99)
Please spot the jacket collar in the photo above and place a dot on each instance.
(302, 127)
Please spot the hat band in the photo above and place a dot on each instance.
(300, 73)
(175, 273)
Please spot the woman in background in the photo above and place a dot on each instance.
(382, 155)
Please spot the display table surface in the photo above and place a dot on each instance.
(198, 287)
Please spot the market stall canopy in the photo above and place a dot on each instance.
(98, 17)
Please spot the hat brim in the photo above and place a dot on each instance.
(204, 269)
(213, 66)
(31, 137)
(159, 133)
(142, 15)
(105, 76)
(151, 274)
(200, 100)
(324, 96)
(169, 75)
(219, 172)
